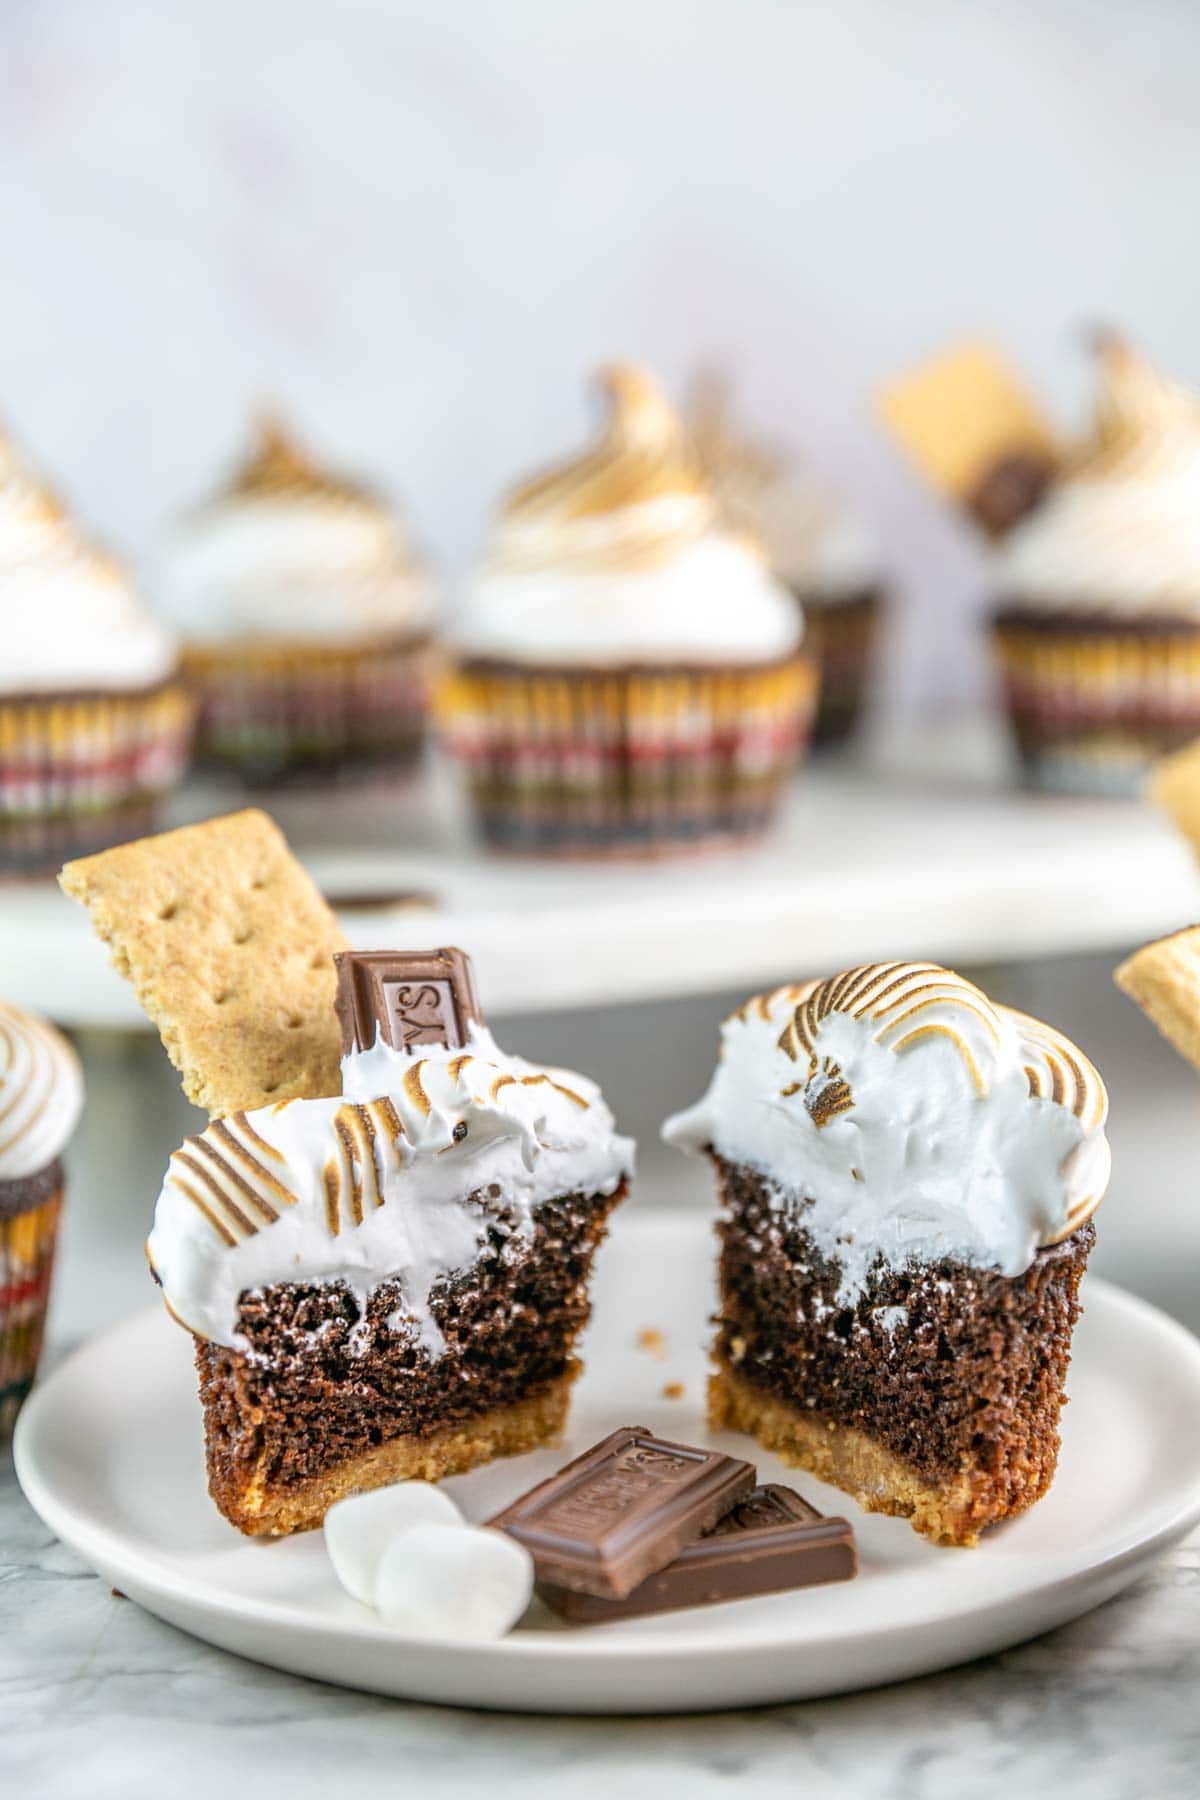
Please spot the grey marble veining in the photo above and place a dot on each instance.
(99, 1701)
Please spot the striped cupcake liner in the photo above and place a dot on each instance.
(1094, 705)
(80, 772)
(583, 762)
(27, 1242)
(841, 636)
(277, 713)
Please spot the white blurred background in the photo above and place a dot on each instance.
(419, 225)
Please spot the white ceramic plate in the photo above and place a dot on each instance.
(109, 1452)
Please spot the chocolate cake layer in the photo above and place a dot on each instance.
(952, 1370)
(321, 1384)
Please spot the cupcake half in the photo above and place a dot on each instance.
(306, 623)
(629, 674)
(1098, 626)
(94, 722)
(819, 553)
(41, 1097)
(908, 1175)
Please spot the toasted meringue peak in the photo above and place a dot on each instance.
(402, 1178)
(72, 620)
(289, 550)
(638, 497)
(911, 1116)
(1119, 531)
(41, 1093)
(280, 468)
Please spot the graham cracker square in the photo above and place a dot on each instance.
(229, 947)
(961, 414)
(1164, 979)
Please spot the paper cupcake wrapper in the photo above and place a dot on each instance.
(841, 636)
(27, 1243)
(1094, 705)
(80, 772)
(275, 712)
(588, 762)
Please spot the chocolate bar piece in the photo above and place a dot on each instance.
(410, 997)
(772, 1541)
(623, 1510)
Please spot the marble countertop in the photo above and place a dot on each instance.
(99, 1701)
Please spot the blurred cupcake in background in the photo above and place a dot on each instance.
(1098, 626)
(94, 722)
(41, 1097)
(306, 623)
(819, 552)
(629, 674)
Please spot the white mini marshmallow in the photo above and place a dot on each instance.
(358, 1530)
(465, 1581)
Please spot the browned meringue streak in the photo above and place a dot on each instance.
(1142, 418)
(278, 468)
(645, 457)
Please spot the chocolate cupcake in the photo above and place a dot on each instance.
(94, 721)
(629, 676)
(907, 1174)
(306, 624)
(1098, 628)
(41, 1097)
(818, 551)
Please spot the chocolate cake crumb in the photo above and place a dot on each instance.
(949, 1367)
(321, 1380)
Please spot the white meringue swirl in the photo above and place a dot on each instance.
(41, 1094)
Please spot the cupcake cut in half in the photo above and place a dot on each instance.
(306, 622)
(907, 1174)
(629, 673)
(820, 553)
(95, 724)
(382, 1242)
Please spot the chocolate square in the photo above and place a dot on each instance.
(412, 998)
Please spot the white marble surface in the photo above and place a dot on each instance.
(97, 1699)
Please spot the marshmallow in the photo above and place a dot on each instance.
(453, 1581)
(358, 1530)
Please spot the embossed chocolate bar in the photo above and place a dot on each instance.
(772, 1541)
(623, 1510)
(411, 997)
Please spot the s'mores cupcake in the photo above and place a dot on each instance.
(41, 1097)
(306, 622)
(94, 722)
(908, 1174)
(382, 1242)
(1098, 626)
(819, 552)
(629, 673)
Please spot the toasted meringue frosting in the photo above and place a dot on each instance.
(405, 1177)
(72, 621)
(1119, 532)
(41, 1094)
(818, 549)
(289, 551)
(621, 557)
(912, 1118)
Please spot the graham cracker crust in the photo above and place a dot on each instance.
(952, 1512)
(529, 1424)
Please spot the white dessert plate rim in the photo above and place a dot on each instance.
(924, 1589)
